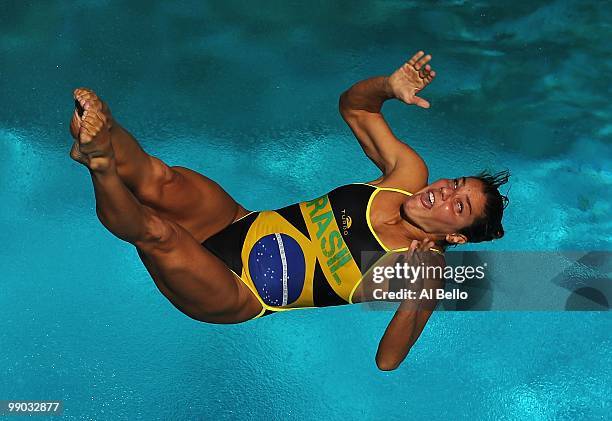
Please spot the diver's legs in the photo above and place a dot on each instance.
(184, 196)
(192, 278)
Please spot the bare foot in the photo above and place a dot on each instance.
(86, 99)
(93, 146)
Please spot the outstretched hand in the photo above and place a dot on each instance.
(411, 78)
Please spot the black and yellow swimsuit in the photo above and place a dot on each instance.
(304, 255)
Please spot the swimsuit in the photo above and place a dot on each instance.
(304, 255)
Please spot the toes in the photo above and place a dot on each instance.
(95, 117)
(85, 137)
(76, 116)
(86, 95)
(102, 117)
(81, 90)
(98, 118)
(75, 124)
(89, 128)
(92, 123)
(87, 99)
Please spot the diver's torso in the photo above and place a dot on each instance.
(308, 254)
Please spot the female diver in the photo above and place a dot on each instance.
(220, 263)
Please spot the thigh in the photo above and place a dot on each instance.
(190, 199)
(195, 281)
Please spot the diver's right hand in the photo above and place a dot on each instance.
(411, 78)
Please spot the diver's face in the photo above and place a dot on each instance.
(446, 206)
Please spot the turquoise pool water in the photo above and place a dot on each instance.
(247, 94)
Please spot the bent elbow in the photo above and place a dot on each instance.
(386, 364)
(389, 361)
(343, 106)
(348, 111)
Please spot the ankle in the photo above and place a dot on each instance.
(103, 166)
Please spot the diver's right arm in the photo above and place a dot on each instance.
(360, 107)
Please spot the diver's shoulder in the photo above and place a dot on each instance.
(410, 178)
(398, 182)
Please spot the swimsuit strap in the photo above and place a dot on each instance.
(392, 189)
(407, 193)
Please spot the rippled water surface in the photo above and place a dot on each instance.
(247, 94)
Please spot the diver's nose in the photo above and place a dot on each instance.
(445, 192)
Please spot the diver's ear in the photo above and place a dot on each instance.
(456, 238)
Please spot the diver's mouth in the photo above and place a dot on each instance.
(428, 199)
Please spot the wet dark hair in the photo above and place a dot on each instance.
(489, 226)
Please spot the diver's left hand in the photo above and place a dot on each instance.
(411, 78)
(420, 246)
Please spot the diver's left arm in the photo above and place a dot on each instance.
(413, 313)
(400, 335)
